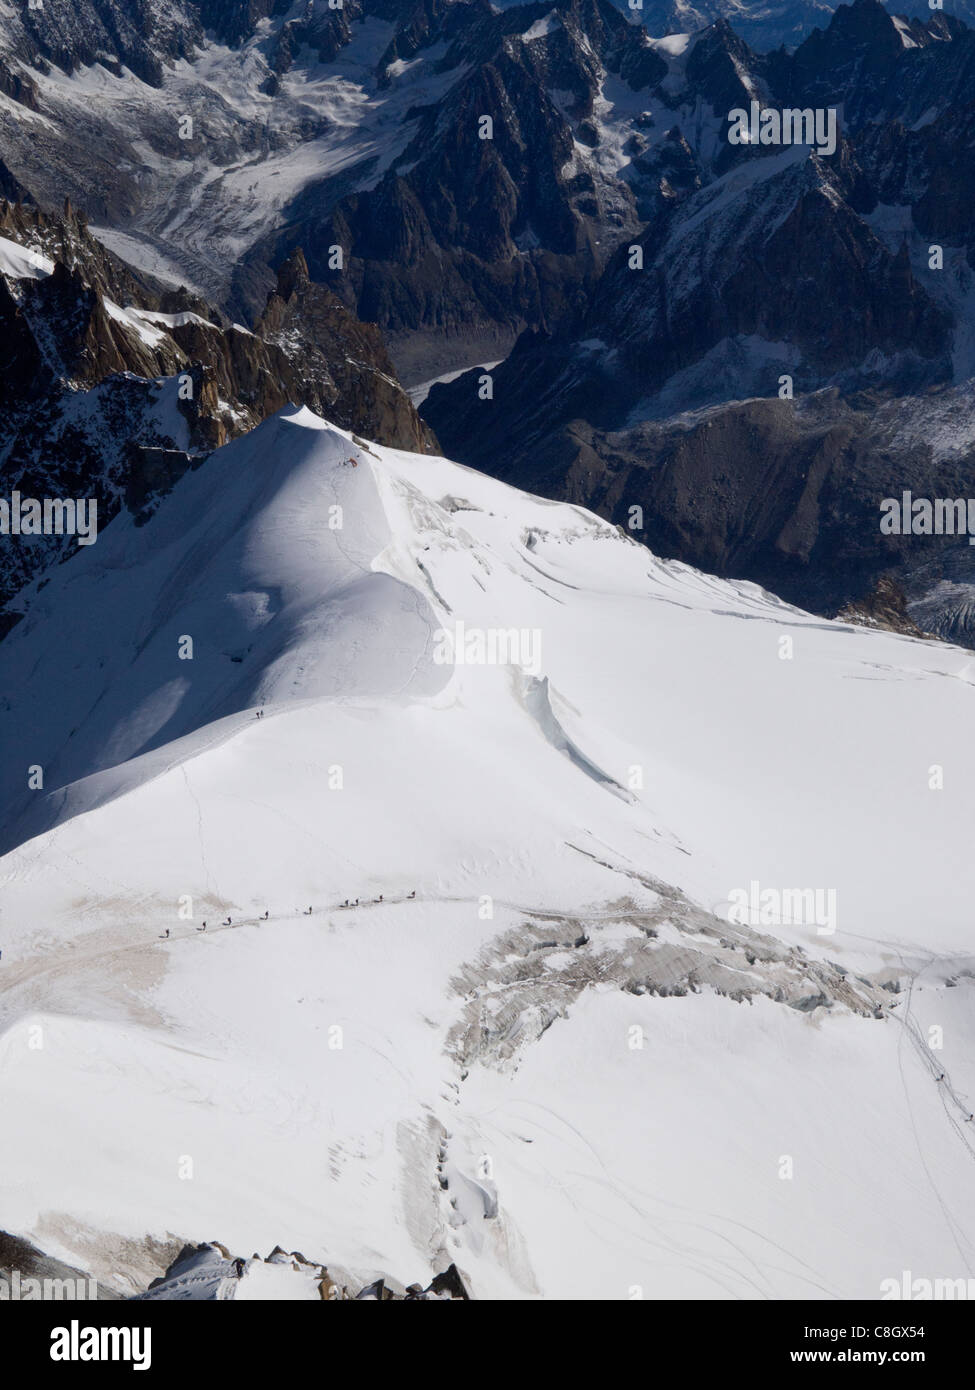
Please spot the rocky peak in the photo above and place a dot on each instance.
(232, 21)
(852, 59)
(293, 275)
(338, 365)
(722, 69)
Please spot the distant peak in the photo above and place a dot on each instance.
(303, 416)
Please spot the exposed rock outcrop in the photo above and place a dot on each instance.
(209, 1271)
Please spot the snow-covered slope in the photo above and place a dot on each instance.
(559, 1064)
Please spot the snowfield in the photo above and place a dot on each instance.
(559, 1064)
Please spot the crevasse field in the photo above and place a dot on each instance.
(559, 1064)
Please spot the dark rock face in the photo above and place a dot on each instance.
(514, 231)
(854, 57)
(18, 87)
(30, 1263)
(234, 20)
(731, 294)
(307, 349)
(139, 34)
(790, 262)
(66, 239)
(934, 167)
(343, 371)
(464, 232)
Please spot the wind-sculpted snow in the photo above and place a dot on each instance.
(470, 988)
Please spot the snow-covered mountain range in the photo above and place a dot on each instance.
(205, 145)
(540, 1044)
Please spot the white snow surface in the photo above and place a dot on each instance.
(902, 27)
(20, 263)
(308, 1080)
(548, 24)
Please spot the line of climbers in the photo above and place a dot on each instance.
(307, 912)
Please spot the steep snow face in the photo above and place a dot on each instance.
(559, 1063)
